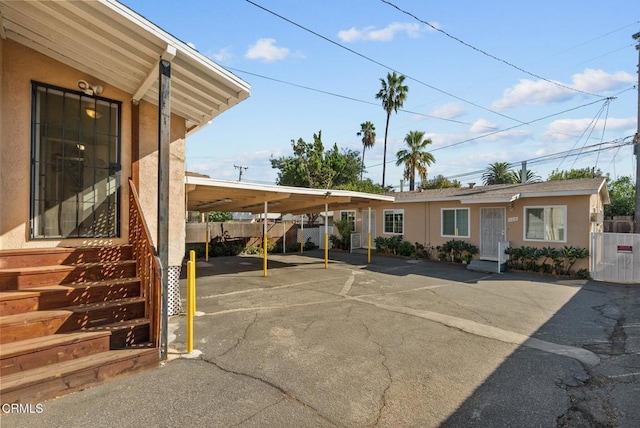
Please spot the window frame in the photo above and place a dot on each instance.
(354, 217)
(544, 208)
(455, 221)
(394, 212)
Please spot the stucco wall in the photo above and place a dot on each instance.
(149, 178)
(422, 221)
(21, 65)
(2, 136)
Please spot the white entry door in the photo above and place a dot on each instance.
(492, 231)
(365, 227)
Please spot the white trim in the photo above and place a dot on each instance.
(355, 217)
(394, 211)
(455, 221)
(524, 223)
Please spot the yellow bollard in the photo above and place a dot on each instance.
(190, 304)
(326, 250)
(302, 241)
(192, 257)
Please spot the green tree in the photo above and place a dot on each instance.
(368, 134)
(311, 166)
(219, 216)
(497, 173)
(365, 186)
(393, 94)
(575, 173)
(439, 182)
(622, 193)
(531, 177)
(415, 158)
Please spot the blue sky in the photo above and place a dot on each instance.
(583, 45)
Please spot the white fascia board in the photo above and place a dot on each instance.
(201, 181)
(243, 87)
(582, 192)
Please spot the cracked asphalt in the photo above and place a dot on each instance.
(396, 343)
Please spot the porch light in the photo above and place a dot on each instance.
(92, 113)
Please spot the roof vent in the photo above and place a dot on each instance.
(471, 185)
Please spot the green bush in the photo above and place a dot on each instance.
(406, 248)
(457, 251)
(388, 245)
(548, 260)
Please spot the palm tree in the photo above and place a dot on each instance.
(393, 95)
(368, 133)
(497, 173)
(531, 177)
(415, 158)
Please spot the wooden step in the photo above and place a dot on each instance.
(31, 324)
(62, 378)
(18, 302)
(109, 312)
(59, 296)
(29, 277)
(41, 351)
(30, 257)
(126, 334)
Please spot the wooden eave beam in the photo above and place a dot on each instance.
(168, 55)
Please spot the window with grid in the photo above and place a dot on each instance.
(350, 216)
(75, 158)
(455, 222)
(394, 221)
(546, 223)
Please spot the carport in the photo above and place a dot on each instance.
(207, 194)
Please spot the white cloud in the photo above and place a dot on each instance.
(566, 129)
(385, 34)
(223, 55)
(265, 49)
(482, 126)
(448, 111)
(541, 92)
(191, 45)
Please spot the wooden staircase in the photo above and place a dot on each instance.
(71, 318)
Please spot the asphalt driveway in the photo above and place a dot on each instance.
(395, 343)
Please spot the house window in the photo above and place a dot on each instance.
(75, 158)
(394, 221)
(455, 222)
(546, 223)
(350, 216)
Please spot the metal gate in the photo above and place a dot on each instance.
(615, 257)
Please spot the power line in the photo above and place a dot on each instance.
(488, 54)
(379, 63)
(346, 97)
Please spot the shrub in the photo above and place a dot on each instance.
(405, 248)
(457, 251)
(309, 245)
(547, 259)
(388, 245)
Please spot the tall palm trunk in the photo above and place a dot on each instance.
(384, 155)
(364, 148)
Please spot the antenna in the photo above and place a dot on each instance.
(240, 169)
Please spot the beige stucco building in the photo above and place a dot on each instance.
(552, 213)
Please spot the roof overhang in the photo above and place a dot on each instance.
(207, 194)
(490, 200)
(111, 42)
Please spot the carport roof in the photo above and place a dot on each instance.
(107, 40)
(207, 194)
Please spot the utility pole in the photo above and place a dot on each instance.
(240, 169)
(636, 144)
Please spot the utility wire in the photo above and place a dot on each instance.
(381, 64)
(309, 88)
(488, 54)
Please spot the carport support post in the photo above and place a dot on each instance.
(302, 234)
(264, 241)
(326, 236)
(369, 238)
(164, 141)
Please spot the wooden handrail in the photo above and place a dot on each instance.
(147, 264)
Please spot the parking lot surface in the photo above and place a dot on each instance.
(397, 342)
